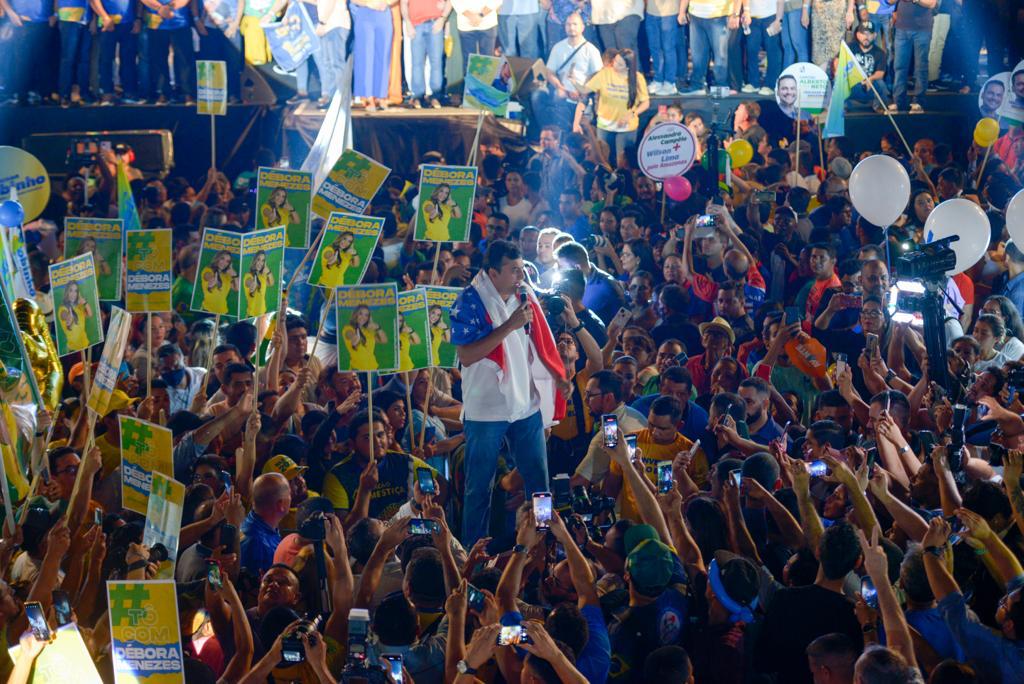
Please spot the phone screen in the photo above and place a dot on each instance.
(793, 315)
(665, 477)
(817, 469)
(610, 425)
(426, 481)
(737, 477)
(213, 574)
(422, 526)
(62, 607)
(631, 447)
(869, 593)
(872, 343)
(97, 517)
(542, 509)
(474, 598)
(358, 626)
(840, 363)
(37, 620)
(705, 221)
(395, 666)
(511, 635)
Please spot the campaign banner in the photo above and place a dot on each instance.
(163, 519)
(367, 327)
(446, 203)
(24, 174)
(211, 87)
(345, 250)
(284, 197)
(145, 449)
(66, 654)
(413, 330)
(489, 84)
(803, 90)
(350, 185)
(439, 316)
(669, 149)
(216, 287)
(102, 239)
(149, 272)
(105, 380)
(17, 250)
(293, 39)
(76, 304)
(262, 262)
(145, 635)
(1012, 108)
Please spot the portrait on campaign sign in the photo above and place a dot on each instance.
(413, 330)
(150, 270)
(446, 203)
(1012, 109)
(284, 197)
(439, 318)
(102, 239)
(489, 84)
(368, 327)
(345, 250)
(351, 184)
(76, 304)
(145, 632)
(993, 94)
(802, 85)
(262, 261)
(217, 285)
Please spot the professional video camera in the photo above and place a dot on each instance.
(313, 527)
(929, 262)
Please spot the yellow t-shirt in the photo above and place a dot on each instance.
(437, 228)
(613, 99)
(710, 9)
(362, 355)
(215, 300)
(334, 276)
(437, 334)
(404, 351)
(652, 453)
(256, 303)
(76, 334)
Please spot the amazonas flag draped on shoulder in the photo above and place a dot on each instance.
(848, 74)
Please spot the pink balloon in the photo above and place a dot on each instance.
(678, 188)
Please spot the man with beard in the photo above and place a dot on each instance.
(677, 382)
(569, 438)
(756, 395)
(604, 396)
(730, 303)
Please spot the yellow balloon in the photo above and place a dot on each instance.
(741, 152)
(986, 132)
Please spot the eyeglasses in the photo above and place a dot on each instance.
(70, 470)
(871, 313)
(593, 395)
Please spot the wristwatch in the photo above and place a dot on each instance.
(463, 667)
(519, 548)
(937, 551)
(889, 375)
(905, 449)
(576, 329)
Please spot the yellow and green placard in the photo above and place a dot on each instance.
(150, 275)
(76, 304)
(345, 250)
(368, 327)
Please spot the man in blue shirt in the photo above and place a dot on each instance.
(603, 294)
(574, 220)
(271, 501)
(118, 27)
(1014, 287)
(676, 382)
(31, 21)
(167, 23)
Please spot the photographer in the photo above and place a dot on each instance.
(603, 294)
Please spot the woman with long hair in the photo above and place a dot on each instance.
(218, 279)
(637, 255)
(439, 332)
(257, 281)
(361, 336)
(88, 246)
(73, 312)
(336, 259)
(621, 98)
(439, 210)
(406, 338)
(277, 211)
(1004, 308)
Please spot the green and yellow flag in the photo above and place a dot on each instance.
(126, 210)
(848, 74)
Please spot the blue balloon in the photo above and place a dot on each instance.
(11, 213)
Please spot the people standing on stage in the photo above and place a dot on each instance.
(519, 24)
(618, 23)
(424, 20)
(30, 21)
(572, 62)
(334, 25)
(662, 27)
(912, 38)
(118, 26)
(710, 22)
(73, 18)
(166, 24)
(371, 51)
(219, 39)
(477, 21)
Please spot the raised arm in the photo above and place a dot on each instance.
(580, 572)
(385, 549)
(809, 520)
(897, 631)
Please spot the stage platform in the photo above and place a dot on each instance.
(399, 136)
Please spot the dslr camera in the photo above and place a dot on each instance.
(292, 649)
(314, 527)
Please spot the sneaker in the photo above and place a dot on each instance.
(669, 90)
(132, 100)
(893, 108)
(697, 91)
(415, 103)
(435, 103)
(323, 103)
(190, 101)
(161, 101)
(107, 100)
(654, 88)
(915, 108)
(747, 88)
(765, 91)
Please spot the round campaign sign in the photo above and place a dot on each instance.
(667, 150)
(993, 94)
(22, 172)
(802, 86)
(1012, 109)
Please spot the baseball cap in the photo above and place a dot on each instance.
(284, 465)
(77, 371)
(119, 400)
(841, 167)
(865, 27)
(649, 561)
(721, 324)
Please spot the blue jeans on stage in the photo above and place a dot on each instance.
(333, 56)
(911, 44)
(217, 46)
(618, 142)
(477, 43)
(709, 39)
(109, 46)
(75, 43)
(160, 42)
(484, 440)
(662, 37)
(522, 27)
(859, 94)
(683, 55)
(427, 45)
(795, 45)
(773, 49)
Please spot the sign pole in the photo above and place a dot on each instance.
(213, 141)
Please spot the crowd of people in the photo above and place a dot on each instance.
(632, 475)
(120, 50)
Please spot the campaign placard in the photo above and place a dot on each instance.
(367, 327)
(149, 270)
(489, 84)
(163, 519)
(668, 149)
(293, 39)
(446, 203)
(211, 87)
(413, 330)
(145, 634)
(65, 654)
(262, 262)
(439, 317)
(1012, 109)
(803, 90)
(284, 197)
(216, 288)
(76, 304)
(105, 381)
(145, 448)
(351, 184)
(345, 250)
(102, 239)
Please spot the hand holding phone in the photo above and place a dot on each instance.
(425, 479)
(665, 477)
(37, 621)
(213, 574)
(610, 426)
(542, 510)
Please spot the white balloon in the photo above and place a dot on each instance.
(966, 219)
(880, 189)
(1015, 218)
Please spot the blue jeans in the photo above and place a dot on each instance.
(773, 49)
(522, 27)
(617, 142)
(427, 45)
(911, 44)
(709, 39)
(683, 55)
(75, 43)
(217, 46)
(129, 45)
(477, 43)
(859, 94)
(625, 33)
(145, 82)
(484, 440)
(160, 42)
(795, 46)
(333, 55)
(662, 38)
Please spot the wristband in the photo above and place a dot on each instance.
(138, 564)
(576, 329)
(937, 551)
(519, 548)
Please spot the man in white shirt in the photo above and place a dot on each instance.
(618, 23)
(519, 23)
(510, 369)
(570, 65)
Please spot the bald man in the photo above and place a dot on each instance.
(271, 499)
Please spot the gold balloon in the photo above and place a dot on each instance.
(42, 353)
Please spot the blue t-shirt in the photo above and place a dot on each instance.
(596, 657)
(120, 11)
(33, 11)
(75, 11)
(259, 543)
(177, 20)
(936, 632)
